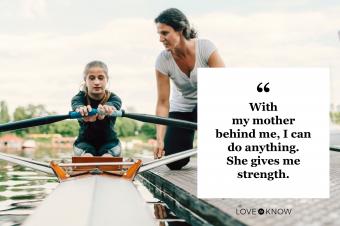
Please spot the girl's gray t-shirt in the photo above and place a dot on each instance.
(184, 88)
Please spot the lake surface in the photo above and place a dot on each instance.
(22, 189)
(334, 135)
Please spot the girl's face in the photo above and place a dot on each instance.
(168, 36)
(96, 81)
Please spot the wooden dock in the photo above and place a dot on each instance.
(178, 190)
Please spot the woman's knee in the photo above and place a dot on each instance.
(176, 143)
(178, 164)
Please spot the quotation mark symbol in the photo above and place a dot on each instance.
(265, 88)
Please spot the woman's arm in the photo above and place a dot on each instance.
(162, 109)
(215, 60)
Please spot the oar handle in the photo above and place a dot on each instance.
(75, 115)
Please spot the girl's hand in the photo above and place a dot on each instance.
(84, 111)
(105, 110)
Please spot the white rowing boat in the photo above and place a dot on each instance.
(93, 191)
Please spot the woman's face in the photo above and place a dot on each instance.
(96, 81)
(168, 36)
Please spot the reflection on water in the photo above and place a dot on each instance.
(22, 189)
(166, 217)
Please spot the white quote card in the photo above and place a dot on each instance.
(263, 133)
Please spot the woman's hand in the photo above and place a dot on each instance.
(158, 151)
(105, 110)
(84, 111)
(162, 109)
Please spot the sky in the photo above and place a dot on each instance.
(45, 44)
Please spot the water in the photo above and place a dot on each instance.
(22, 189)
(334, 134)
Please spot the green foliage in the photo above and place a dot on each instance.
(31, 111)
(148, 130)
(335, 117)
(126, 127)
(4, 115)
(67, 128)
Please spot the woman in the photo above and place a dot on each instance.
(183, 54)
(96, 134)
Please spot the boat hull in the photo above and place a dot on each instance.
(93, 200)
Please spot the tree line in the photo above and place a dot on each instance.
(335, 117)
(124, 127)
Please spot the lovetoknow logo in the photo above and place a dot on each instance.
(263, 211)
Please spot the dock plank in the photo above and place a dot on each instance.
(181, 185)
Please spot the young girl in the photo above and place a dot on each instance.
(96, 134)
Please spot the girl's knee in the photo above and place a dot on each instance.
(78, 151)
(115, 151)
(83, 148)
